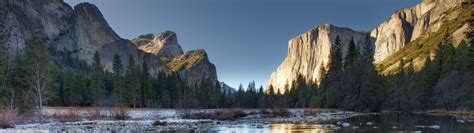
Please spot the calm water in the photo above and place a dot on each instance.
(374, 123)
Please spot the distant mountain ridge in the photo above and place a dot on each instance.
(84, 29)
(226, 88)
(309, 52)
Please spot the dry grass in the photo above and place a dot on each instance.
(441, 112)
(120, 112)
(94, 113)
(311, 112)
(8, 118)
(70, 115)
(227, 115)
(280, 112)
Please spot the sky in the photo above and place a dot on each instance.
(245, 39)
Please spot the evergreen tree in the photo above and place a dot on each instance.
(145, 85)
(352, 54)
(132, 83)
(270, 97)
(260, 98)
(117, 68)
(398, 91)
(98, 80)
(334, 76)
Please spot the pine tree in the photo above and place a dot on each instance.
(270, 97)
(98, 79)
(132, 83)
(117, 68)
(145, 86)
(352, 54)
(334, 76)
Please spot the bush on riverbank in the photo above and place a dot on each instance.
(69, 115)
(216, 115)
(121, 112)
(8, 118)
(280, 112)
(159, 123)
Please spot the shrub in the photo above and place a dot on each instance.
(311, 112)
(159, 123)
(94, 113)
(8, 118)
(280, 112)
(121, 112)
(216, 115)
(69, 115)
(228, 115)
(265, 112)
(197, 115)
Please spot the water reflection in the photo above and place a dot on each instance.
(408, 122)
(272, 128)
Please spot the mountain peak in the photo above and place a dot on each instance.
(194, 66)
(161, 44)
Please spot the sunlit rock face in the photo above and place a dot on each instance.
(194, 67)
(309, 52)
(409, 24)
(84, 30)
(162, 44)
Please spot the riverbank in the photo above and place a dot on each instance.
(60, 118)
(117, 119)
(464, 114)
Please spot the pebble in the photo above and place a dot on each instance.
(346, 124)
(435, 126)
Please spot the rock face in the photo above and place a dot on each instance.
(84, 29)
(163, 44)
(194, 67)
(409, 24)
(309, 52)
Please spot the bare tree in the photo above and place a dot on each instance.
(39, 67)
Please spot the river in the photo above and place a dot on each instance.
(406, 122)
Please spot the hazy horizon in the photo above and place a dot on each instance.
(245, 39)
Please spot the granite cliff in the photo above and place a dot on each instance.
(85, 30)
(309, 52)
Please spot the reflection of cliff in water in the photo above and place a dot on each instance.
(284, 128)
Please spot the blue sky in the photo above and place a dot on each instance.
(245, 39)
